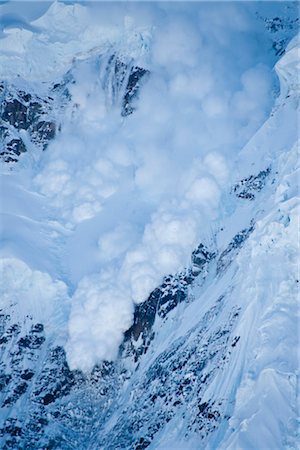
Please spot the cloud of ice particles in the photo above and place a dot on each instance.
(148, 185)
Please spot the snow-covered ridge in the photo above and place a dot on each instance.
(210, 358)
(64, 33)
(288, 68)
(98, 162)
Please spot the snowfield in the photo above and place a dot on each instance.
(149, 226)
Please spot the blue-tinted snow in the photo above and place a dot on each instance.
(116, 204)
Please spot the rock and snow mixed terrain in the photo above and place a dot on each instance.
(149, 226)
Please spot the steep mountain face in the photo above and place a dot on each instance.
(22, 112)
(210, 358)
(28, 120)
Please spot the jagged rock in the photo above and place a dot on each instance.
(21, 111)
(278, 26)
(200, 259)
(15, 114)
(247, 187)
(122, 82)
(233, 248)
(16, 146)
(164, 299)
(132, 88)
(126, 404)
(27, 111)
(55, 380)
(43, 132)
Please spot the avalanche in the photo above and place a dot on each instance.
(149, 225)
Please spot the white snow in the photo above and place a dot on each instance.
(260, 384)
(45, 50)
(266, 396)
(116, 204)
(31, 293)
(159, 175)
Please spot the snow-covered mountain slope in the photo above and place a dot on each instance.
(100, 346)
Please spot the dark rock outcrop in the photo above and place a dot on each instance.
(26, 117)
(23, 116)
(248, 187)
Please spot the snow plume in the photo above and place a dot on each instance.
(30, 293)
(149, 185)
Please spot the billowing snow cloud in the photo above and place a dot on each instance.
(31, 293)
(145, 188)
